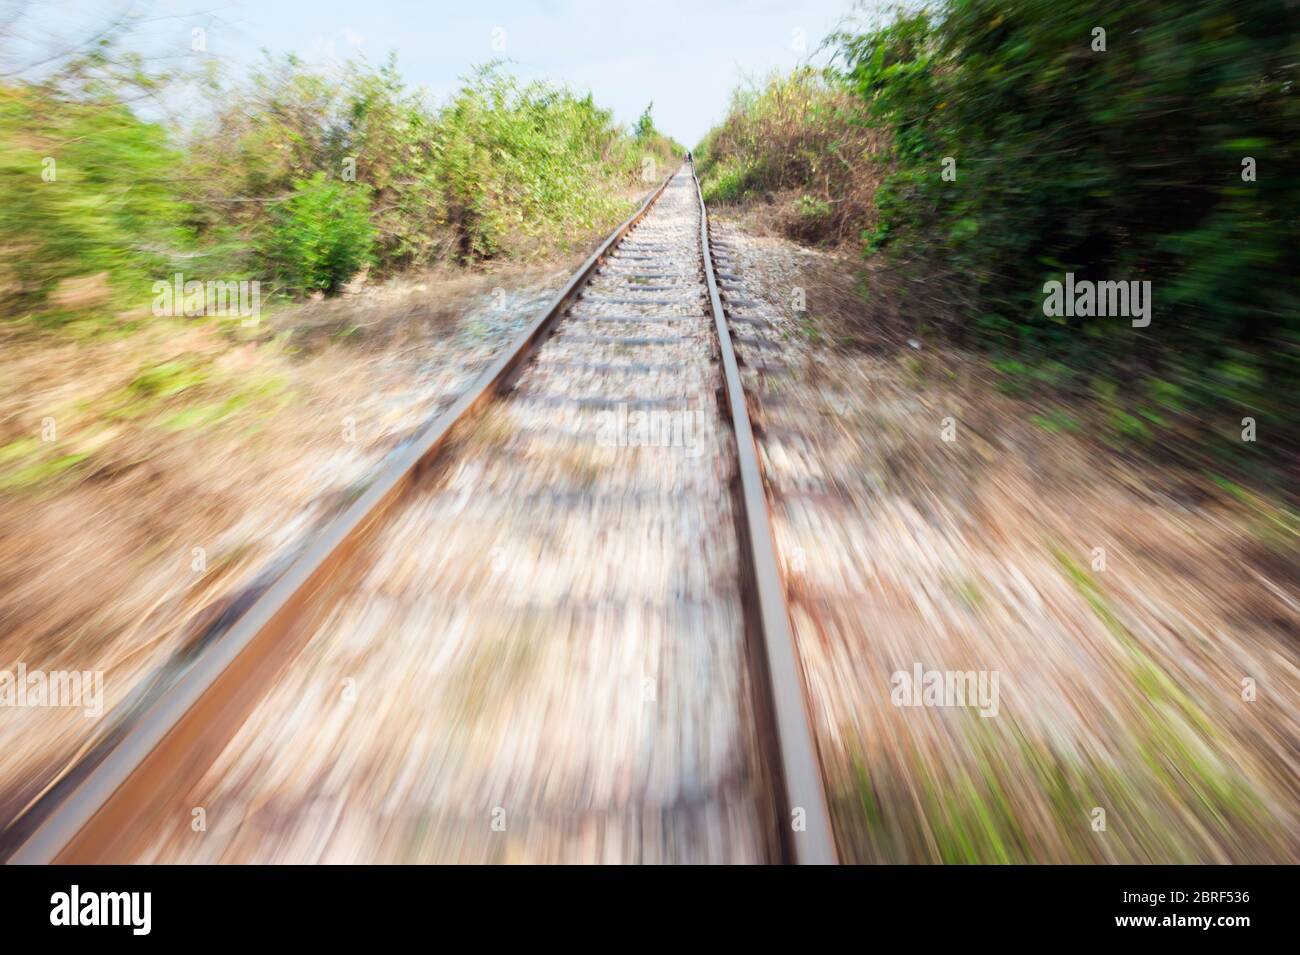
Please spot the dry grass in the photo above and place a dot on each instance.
(410, 309)
(1121, 682)
(187, 456)
(798, 155)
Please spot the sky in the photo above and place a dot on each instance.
(684, 55)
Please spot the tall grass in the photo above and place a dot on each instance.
(801, 139)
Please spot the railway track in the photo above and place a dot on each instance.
(551, 630)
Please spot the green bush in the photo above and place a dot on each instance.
(321, 236)
(1117, 165)
(728, 180)
(297, 177)
(501, 169)
(86, 188)
(802, 136)
(521, 164)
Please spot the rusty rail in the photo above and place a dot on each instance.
(149, 759)
(806, 836)
(184, 728)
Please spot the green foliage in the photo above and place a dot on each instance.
(286, 124)
(321, 236)
(298, 179)
(645, 125)
(1116, 165)
(521, 164)
(729, 180)
(803, 134)
(650, 143)
(86, 188)
(501, 169)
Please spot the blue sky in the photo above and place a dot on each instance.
(685, 55)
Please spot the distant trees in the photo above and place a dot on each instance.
(296, 176)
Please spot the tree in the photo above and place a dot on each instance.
(645, 126)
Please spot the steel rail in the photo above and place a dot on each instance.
(806, 834)
(182, 729)
(146, 761)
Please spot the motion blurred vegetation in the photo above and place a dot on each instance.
(119, 170)
(1117, 165)
(801, 141)
(321, 235)
(299, 177)
(502, 169)
(88, 191)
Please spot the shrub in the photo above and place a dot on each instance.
(1116, 165)
(802, 137)
(524, 163)
(502, 168)
(321, 236)
(86, 188)
(298, 176)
